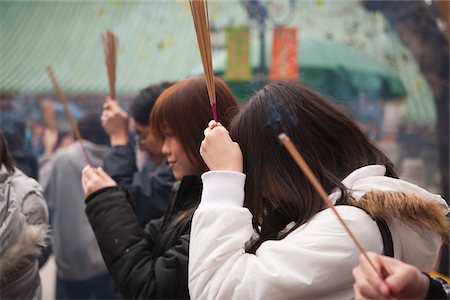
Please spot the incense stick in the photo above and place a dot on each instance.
(67, 112)
(199, 9)
(110, 43)
(312, 178)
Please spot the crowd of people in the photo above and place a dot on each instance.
(161, 202)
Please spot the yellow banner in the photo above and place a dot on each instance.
(238, 49)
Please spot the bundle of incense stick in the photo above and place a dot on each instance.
(67, 112)
(199, 9)
(110, 43)
(312, 178)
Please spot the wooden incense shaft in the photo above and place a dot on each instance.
(67, 112)
(199, 9)
(312, 178)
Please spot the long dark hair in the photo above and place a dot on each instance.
(276, 190)
(184, 109)
(91, 129)
(5, 157)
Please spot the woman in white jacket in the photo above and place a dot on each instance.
(274, 239)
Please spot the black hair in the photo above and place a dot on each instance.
(141, 106)
(91, 129)
(13, 127)
(5, 157)
(276, 190)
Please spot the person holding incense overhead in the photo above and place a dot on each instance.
(149, 189)
(404, 281)
(262, 231)
(153, 262)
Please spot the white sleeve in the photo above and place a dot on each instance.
(314, 261)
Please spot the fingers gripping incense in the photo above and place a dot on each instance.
(199, 9)
(110, 42)
(312, 178)
(67, 112)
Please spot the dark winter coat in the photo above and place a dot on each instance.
(151, 262)
(148, 189)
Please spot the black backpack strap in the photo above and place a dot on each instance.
(388, 244)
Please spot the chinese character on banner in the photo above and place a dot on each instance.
(238, 48)
(284, 54)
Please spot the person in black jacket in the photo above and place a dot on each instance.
(153, 262)
(149, 188)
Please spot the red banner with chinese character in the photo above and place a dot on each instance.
(284, 54)
(238, 49)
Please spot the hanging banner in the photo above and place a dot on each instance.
(284, 54)
(238, 48)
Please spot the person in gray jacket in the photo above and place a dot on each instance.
(81, 272)
(23, 230)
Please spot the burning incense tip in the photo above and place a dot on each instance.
(282, 137)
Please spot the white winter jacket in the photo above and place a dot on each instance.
(314, 261)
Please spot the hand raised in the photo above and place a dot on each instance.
(218, 150)
(403, 281)
(115, 120)
(94, 179)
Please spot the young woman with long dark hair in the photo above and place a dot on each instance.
(262, 231)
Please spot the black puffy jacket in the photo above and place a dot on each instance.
(148, 190)
(151, 262)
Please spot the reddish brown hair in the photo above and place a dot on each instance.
(184, 110)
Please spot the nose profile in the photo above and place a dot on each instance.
(165, 148)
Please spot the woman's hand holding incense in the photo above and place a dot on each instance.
(403, 282)
(115, 122)
(94, 179)
(218, 150)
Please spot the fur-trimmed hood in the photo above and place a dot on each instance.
(418, 220)
(24, 252)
